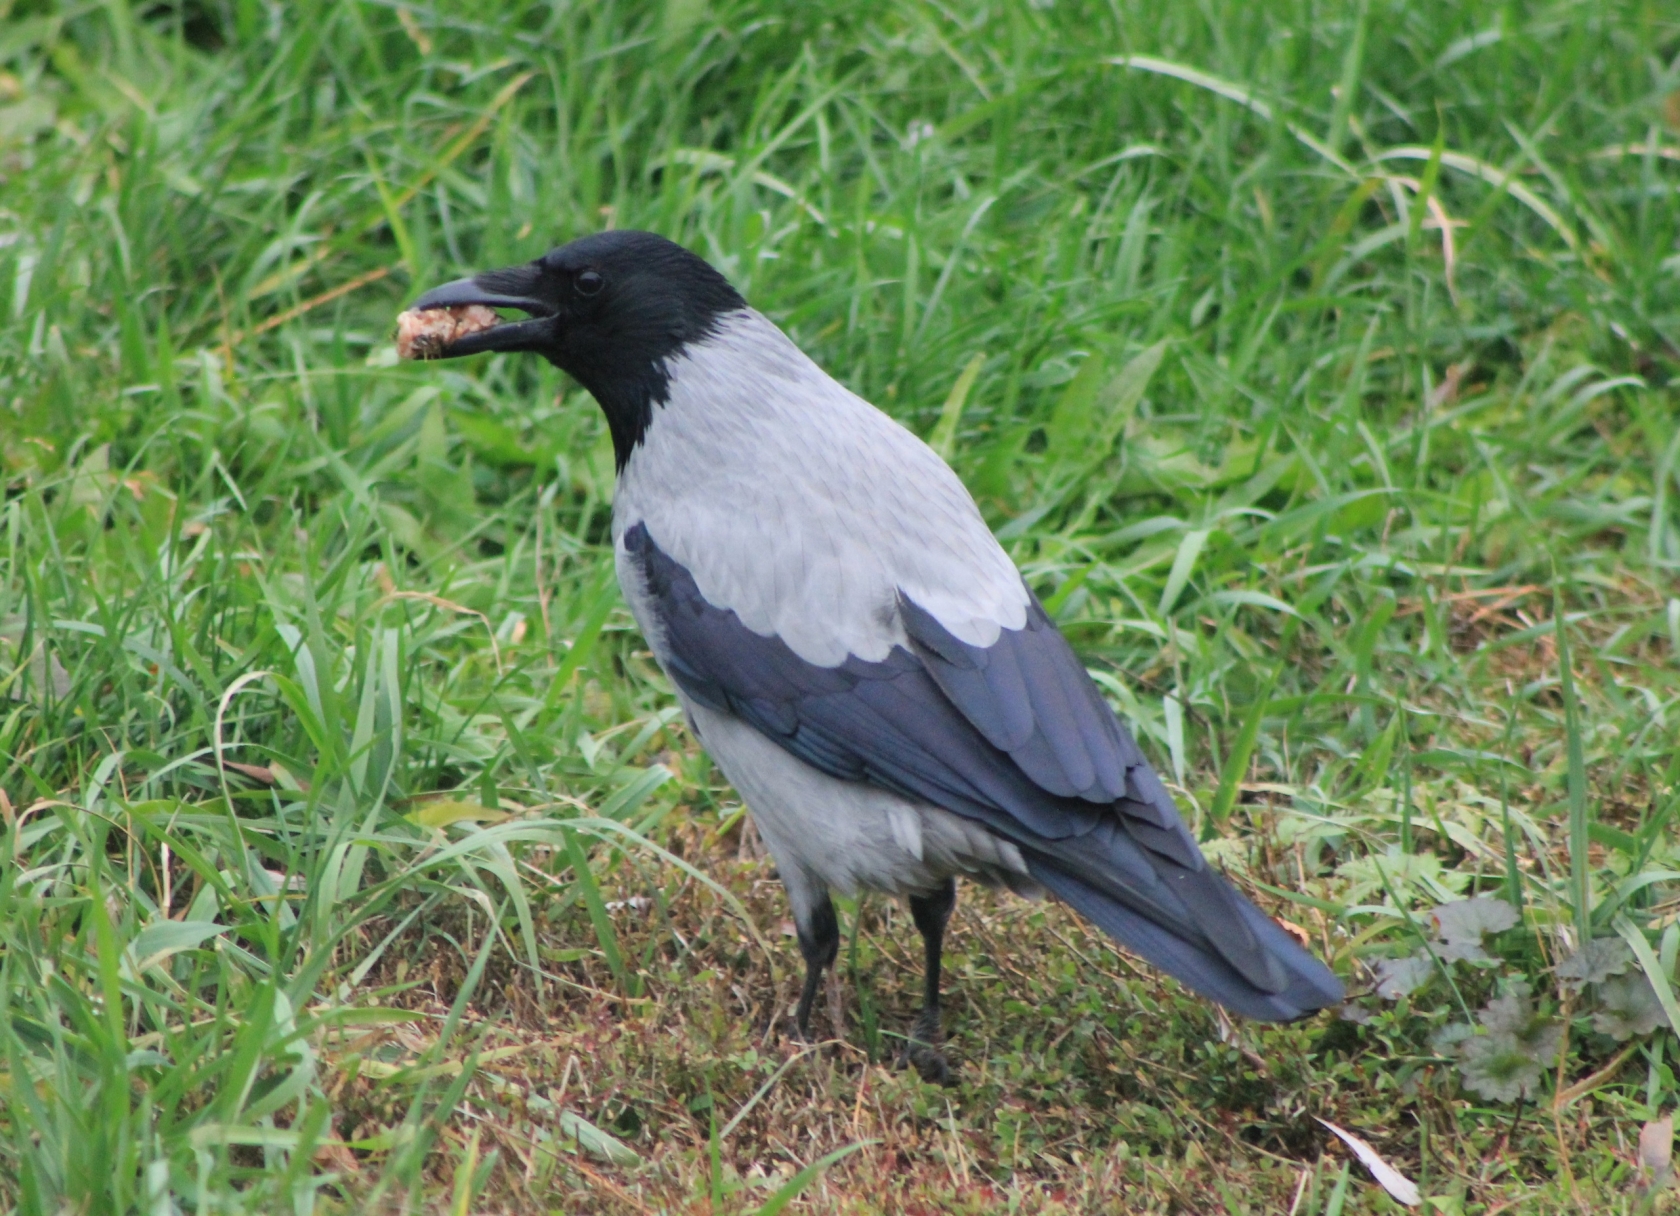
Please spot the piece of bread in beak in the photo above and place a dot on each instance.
(425, 333)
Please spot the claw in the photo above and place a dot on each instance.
(930, 1063)
(924, 1049)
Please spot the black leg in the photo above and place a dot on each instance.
(931, 914)
(819, 942)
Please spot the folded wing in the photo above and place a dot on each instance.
(1016, 736)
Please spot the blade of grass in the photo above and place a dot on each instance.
(797, 1184)
(590, 892)
(1242, 749)
(1580, 872)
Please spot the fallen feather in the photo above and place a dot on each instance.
(1390, 1179)
(1656, 1153)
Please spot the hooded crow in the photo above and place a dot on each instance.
(851, 644)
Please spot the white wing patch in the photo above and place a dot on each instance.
(805, 509)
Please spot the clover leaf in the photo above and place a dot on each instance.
(1463, 923)
(1517, 1044)
(1628, 1007)
(1594, 963)
(1498, 1067)
(1398, 976)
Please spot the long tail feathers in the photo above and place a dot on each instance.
(1309, 984)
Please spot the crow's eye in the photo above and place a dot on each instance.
(589, 283)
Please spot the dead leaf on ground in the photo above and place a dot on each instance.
(1656, 1153)
(1295, 931)
(336, 1155)
(1390, 1179)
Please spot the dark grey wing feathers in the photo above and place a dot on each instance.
(1309, 984)
(1028, 695)
(1060, 778)
(1188, 887)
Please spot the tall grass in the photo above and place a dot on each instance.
(1313, 360)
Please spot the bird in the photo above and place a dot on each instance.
(849, 641)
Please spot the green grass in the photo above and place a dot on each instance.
(1315, 363)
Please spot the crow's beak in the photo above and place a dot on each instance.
(514, 287)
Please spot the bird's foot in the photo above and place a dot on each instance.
(923, 1051)
(929, 1062)
(802, 1034)
(836, 1013)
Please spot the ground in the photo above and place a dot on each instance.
(1316, 363)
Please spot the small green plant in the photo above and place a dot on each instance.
(1506, 1053)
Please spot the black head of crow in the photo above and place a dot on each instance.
(853, 646)
(607, 310)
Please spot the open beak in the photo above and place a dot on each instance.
(514, 287)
